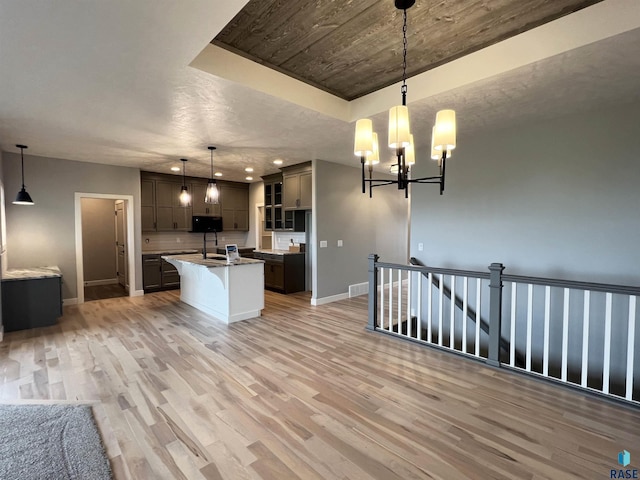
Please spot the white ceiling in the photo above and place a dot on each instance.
(111, 82)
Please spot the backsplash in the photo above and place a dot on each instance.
(283, 239)
(174, 240)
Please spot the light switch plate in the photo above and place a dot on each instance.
(323, 244)
(339, 243)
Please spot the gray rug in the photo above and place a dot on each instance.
(50, 442)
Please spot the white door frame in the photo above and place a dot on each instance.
(130, 239)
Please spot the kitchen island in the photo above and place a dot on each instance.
(229, 292)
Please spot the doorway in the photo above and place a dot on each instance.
(104, 238)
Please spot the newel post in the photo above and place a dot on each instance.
(373, 292)
(495, 313)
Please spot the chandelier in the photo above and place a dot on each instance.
(443, 135)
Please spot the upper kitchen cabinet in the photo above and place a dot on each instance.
(297, 186)
(148, 205)
(198, 191)
(273, 208)
(170, 214)
(234, 199)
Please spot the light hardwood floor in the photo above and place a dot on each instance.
(302, 392)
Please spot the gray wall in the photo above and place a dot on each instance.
(98, 239)
(343, 212)
(44, 234)
(554, 199)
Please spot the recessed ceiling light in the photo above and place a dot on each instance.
(248, 169)
(175, 169)
(218, 174)
(277, 162)
(248, 178)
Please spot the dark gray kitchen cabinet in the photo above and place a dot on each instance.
(31, 302)
(283, 273)
(297, 186)
(158, 274)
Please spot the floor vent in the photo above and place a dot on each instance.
(358, 289)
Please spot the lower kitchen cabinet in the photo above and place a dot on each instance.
(31, 302)
(157, 274)
(283, 273)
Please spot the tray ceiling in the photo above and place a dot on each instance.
(354, 48)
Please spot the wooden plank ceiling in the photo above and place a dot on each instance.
(352, 48)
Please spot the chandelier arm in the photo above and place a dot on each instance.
(442, 168)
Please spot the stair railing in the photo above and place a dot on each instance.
(580, 334)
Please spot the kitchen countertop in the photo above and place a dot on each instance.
(215, 261)
(31, 273)
(171, 252)
(277, 252)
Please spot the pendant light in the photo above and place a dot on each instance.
(23, 197)
(212, 195)
(443, 138)
(185, 197)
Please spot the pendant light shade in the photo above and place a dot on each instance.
(212, 195)
(185, 197)
(436, 154)
(410, 153)
(23, 197)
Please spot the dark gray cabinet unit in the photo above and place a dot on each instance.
(297, 186)
(31, 302)
(283, 273)
(158, 274)
(161, 210)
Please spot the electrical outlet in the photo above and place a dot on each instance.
(339, 243)
(420, 246)
(323, 244)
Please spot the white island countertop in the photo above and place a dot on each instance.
(227, 291)
(213, 260)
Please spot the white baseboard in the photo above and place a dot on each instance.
(136, 293)
(105, 281)
(69, 301)
(358, 289)
(333, 298)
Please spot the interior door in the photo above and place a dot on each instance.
(121, 242)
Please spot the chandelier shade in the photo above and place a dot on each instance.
(363, 142)
(444, 135)
(374, 157)
(399, 127)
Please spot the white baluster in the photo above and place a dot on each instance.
(565, 335)
(382, 297)
(631, 333)
(547, 310)
(452, 312)
(419, 305)
(607, 344)
(512, 334)
(430, 306)
(465, 287)
(585, 338)
(440, 312)
(478, 315)
(529, 325)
